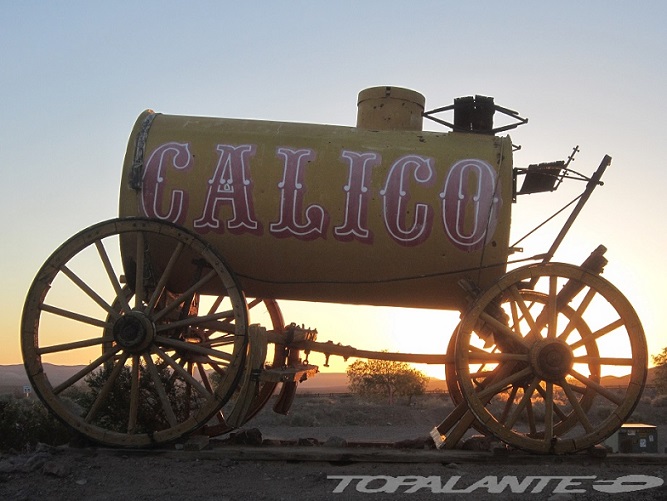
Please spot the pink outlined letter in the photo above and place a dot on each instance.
(176, 155)
(469, 235)
(293, 221)
(357, 193)
(230, 185)
(395, 196)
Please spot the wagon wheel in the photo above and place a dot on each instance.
(534, 303)
(218, 425)
(138, 390)
(536, 391)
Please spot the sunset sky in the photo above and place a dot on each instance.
(75, 76)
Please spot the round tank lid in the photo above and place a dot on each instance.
(393, 92)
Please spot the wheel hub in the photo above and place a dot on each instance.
(551, 359)
(134, 331)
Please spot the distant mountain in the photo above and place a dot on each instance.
(13, 377)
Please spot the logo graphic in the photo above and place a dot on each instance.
(564, 484)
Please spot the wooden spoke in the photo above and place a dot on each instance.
(217, 327)
(226, 332)
(220, 341)
(266, 389)
(551, 307)
(559, 413)
(503, 383)
(598, 334)
(139, 318)
(548, 412)
(482, 374)
(497, 357)
(606, 393)
(254, 303)
(219, 417)
(508, 403)
(178, 369)
(204, 377)
(140, 254)
(516, 319)
(134, 395)
(538, 363)
(216, 367)
(216, 304)
(86, 370)
(193, 348)
(574, 402)
(530, 415)
(203, 321)
(188, 389)
(516, 296)
(576, 319)
(503, 329)
(88, 290)
(74, 316)
(482, 369)
(115, 283)
(74, 345)
(104, 392)
(166, 274)
(603, 360)
(569, 328)
(578, 389)
(188, 293)
(524, 403)
(585, 303)
(162, 394)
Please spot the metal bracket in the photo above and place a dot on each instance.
(475, 114)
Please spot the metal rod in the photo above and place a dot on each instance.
(329, 348)
(590, 186)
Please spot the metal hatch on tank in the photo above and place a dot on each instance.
(222, 218)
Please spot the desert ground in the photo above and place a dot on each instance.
(331, 435)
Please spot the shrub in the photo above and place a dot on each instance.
(660, 371)
(385, 378)
(24, 422)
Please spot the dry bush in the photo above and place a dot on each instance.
(25, 422)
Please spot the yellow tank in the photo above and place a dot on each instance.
(356, 215)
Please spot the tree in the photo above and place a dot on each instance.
(385, 378)
(660, 362)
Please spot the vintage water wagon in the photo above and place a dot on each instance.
(171, 309)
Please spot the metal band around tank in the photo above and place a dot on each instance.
(138, 163)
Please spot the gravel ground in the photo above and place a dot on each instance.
(221, 472)
(218, 473)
